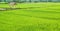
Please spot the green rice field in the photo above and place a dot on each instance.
(31, 17)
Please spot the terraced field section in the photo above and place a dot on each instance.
(31, 17)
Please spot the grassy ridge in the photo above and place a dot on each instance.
(32, 17)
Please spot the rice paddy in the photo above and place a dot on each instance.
(31, 17)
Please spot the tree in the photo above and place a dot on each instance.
(49, 0)
(0, 0)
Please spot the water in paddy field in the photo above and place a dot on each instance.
(31, 17)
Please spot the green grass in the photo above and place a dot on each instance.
(32, 17)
